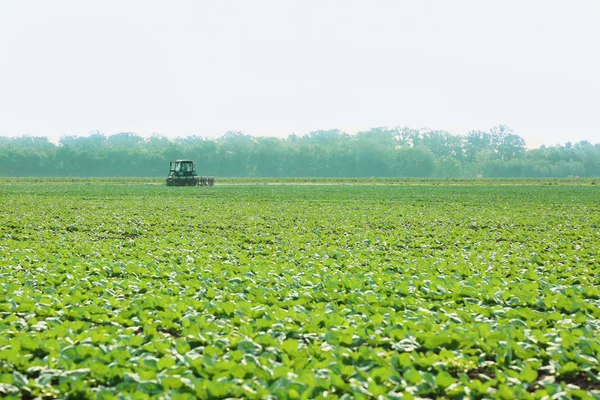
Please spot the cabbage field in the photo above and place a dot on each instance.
(112, 290)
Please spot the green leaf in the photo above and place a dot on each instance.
(569, 368)
(19, 380)
(505, 393)
(171, 383)
(444, 379)
(290, 346)
(166, 362)
(246, 346)
(528, 374)
(412, 376)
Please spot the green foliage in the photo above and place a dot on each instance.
(378, 152)
(299, 291)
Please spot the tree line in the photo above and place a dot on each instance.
(378, 152)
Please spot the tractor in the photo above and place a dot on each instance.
(183, 173)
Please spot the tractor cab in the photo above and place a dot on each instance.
(183, 173)
(183, 167)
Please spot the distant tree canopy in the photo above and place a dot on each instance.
(378, 152)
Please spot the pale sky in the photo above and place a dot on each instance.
(274, 67)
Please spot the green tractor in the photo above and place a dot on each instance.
(183, 173)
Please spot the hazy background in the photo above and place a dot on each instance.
(275, 67)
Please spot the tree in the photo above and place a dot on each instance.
(506, 144)
(381, 151)
(442, 144)
(414, 162)
(476, 142)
